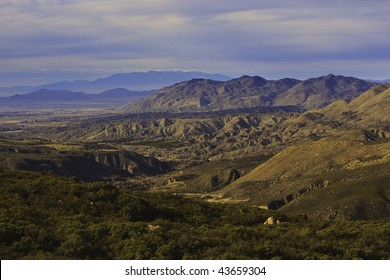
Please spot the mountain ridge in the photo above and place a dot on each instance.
(248, 92)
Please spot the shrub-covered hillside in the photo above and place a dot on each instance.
(47, 217)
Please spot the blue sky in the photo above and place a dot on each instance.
(50, 40)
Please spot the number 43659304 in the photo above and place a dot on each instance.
(242, 271)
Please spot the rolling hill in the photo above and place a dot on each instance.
(319, 92)
(369, 109)
(328, 178)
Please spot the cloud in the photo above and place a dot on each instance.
(220, 36)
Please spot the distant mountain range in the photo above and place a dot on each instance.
(138, 81)
(48, 99)
(379, 81)
(194, 95)
(200, 95)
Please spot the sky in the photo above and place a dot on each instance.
(49, 40)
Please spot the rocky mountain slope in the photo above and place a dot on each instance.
(248, 92)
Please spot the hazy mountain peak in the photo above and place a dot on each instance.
(330, 76)
(150, 80)
(55, 99)
(45, 95)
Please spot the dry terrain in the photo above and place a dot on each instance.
(318, 147)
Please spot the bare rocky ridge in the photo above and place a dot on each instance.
(201, 138)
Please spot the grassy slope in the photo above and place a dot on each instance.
(330, 178)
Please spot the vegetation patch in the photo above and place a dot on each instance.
(48, 217)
